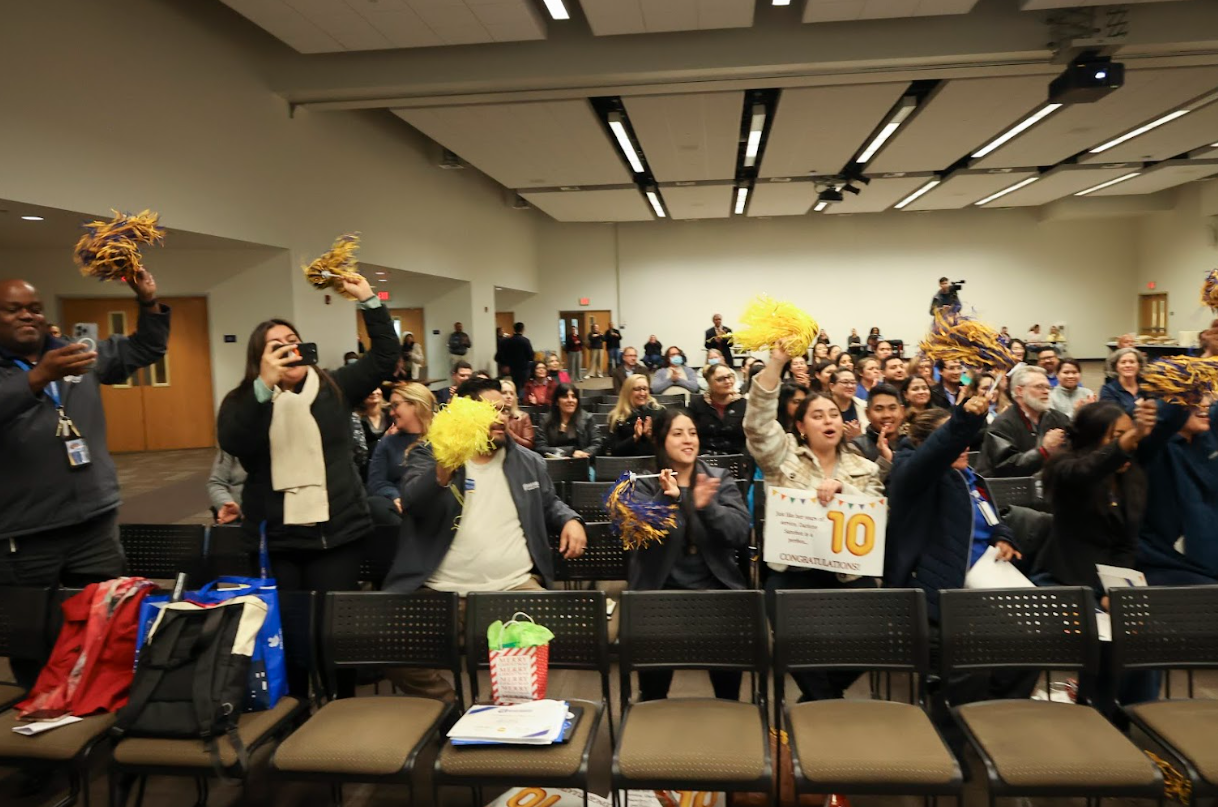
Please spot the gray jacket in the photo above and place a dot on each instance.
(39, 490)
(226, 480)
(429, 523)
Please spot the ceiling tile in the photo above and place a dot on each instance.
(963, 188)
(699, 201)
(1162, 176)
(817, 130)
(472, 34)
(287, 24)
(781, 199)
(404, 29)
(626, 204)
(688, 137)
(612, 17)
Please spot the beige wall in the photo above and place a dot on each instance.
(1176, 250)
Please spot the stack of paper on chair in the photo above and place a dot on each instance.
(533, 723)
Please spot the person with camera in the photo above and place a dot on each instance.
(948, 295)
(289, 423)
(59, 492)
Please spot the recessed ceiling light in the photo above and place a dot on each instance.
(656, 205)
(821, 206)
(756, 127)
(911, 197)
(1141, 130)
(557, 10)
(903, 111)
(742, 198)
(1109, 183)
(32, 218)
(1027, 123)
(782, 2)
(1006, 190)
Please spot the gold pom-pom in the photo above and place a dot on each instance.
(110, 250)
(462, 430)
(1209, 290)
(335, 266)
(955, 337)
(637, 520)
(1184, 380)
(771, 323)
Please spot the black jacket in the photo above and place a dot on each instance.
(589, 437)
(930, 512)
(722, 530)
(38, 489)
(516, 353)
(596, 341)
(245, 424)
(621, 440)
(719, 435)
(619, 375)
(430, 515)
(721, 343)
(1010, 448)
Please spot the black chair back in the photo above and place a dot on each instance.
(1014, 490)
(671, 400)
(608, 469)
(1169, 628)
(25, 622)
(601, 419)
(851, 629)
(737, 464)
(380, 548)
(588, 499)
(226, 554)
(161, 551)
(604, 557)
(605, 407)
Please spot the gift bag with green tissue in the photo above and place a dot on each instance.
(519, 659)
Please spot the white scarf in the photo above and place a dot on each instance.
(298, 467)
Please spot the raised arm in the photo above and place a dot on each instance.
(358, 380)
(763, 435)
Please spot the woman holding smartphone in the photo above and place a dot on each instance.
(290, 426)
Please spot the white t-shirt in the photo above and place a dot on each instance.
(489, 551)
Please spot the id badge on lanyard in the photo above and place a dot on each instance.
(987, 510)
(75, 447)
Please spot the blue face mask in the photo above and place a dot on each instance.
(712, 361)
(677, 360)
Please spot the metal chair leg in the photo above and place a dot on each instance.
(336, 794)
(139, 793)
(202, 791)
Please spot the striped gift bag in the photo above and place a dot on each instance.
(519, 674)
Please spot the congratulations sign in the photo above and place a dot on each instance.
(846, 536)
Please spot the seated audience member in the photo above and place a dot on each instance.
(714, 358)
(1055, 335)
(1097, 491)
(374, 419)
(1021, 439)
(980, 386)
(224, 488)
(1069, 395)
(883, 349)
(1048, 360)
(834, 352)
(539, 389)
(699, 554)
(822, 376)
(917, 397)
(814, 458)
(885, 414)
(1125, 387)
(411, 407)
(892, 370)
(749, 375)
(841, 389)
(946, 518)
(462, 372)
(350, 357)
(845, 362)
(503, 505)
(950, 390)
(631, 421)
(854, 340)
(797, 371)
(867, 371)
(1126, 340)
(790, 396)
(675, 372)
(555, 369)
(1178, 543)
(482, 374)
(653, 353)
(628, 367)
(1004, 336)
(519, 424)
(719, 413)
(1019, 350)
(568, 430)
(1033, 337)
(820, 351)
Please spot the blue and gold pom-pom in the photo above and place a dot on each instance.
(462, 430)
(771, 323)
(956, 337)
(637, 520)
(110, 250)
(1209, 290)
(335, 266)
(1184, 380)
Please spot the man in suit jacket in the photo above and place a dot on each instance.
(717, 338)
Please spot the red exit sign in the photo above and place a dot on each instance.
(383, 296)
(1151, 285)
(584, 301)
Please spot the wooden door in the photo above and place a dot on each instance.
(1152, 314)
(404, 319)
(166, 406)
(505, 321)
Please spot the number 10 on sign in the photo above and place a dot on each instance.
(846, 536)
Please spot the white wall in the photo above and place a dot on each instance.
(1176, 250)
(848, 272)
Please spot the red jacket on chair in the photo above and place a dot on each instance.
(93, 662)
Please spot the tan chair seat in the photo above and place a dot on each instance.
(1188, 726)
(552, 760)
(58, 744)
(871, 742)
(252, 727)
(1047, 744)
(693, 738)
(370, 736)
(10, 694)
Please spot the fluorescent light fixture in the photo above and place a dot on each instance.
(742, 198)
(654, 198)
(618, 127)
(890, 128)
(1109, 183)
(1141, 130)
(820, 206)
(756, 125)
(782, 2)
(1005, 191)
(557, 10)
(32, 218)
(911, 197)
(1025, 124)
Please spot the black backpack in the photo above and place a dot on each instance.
(191, 677)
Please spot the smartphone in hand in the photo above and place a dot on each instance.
(307, 351)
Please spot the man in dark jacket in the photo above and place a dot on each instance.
(885, 414)
(628, 366)
(948, 392)
(718, 337)
(59, 491)
(1020, 439)
(516, 353)
(458, 344)
(481, 527)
